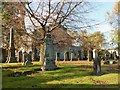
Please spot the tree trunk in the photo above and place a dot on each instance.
(42, 53)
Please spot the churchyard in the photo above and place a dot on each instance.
(75, 74)
(52, 47)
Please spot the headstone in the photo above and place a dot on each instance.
(89, 56)
(97, 66)
(3, 55)
(29, 58)
(25, 58)
(49, 62)
(97, 63)
(106, 57)
(11, 57)
(61, 55)
(67, 54)
(82, 54)
(19, 56)
(34, 54)
(78, 55)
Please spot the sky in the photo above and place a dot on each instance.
(99, 15)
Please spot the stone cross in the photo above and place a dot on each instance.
(11, 57)
(49, 63)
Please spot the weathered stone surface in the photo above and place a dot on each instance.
(97, 66)
(96, 63)
(11, 54)
(3, 55)
(29, 58)
(19, 59)
(25, 58)
(49, 63)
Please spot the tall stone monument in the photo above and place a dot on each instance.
(49, 63)
(97, 63)
(11, 53)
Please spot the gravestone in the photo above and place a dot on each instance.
(11, 53)
(34, 54)
(49, 63)
(89, 56)
(19, 56)
(97, 63)
(3, 55)
(107, 58)
(82, 54)
(61, 55)
(67, 54)
(25, 57)
(29, 58)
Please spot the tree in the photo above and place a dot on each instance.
(114, 19)
(49, 15)
(12, 15)
(91, 41)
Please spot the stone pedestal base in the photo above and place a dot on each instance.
(49, 65)
(11, 60)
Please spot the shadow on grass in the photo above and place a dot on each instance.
(41, 78)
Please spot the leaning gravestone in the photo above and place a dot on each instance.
(97, 63)
(11, 53)
(49, 63)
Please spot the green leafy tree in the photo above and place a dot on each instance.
(114, 20)
(91, 41)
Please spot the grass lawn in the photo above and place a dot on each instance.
(70, 75)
